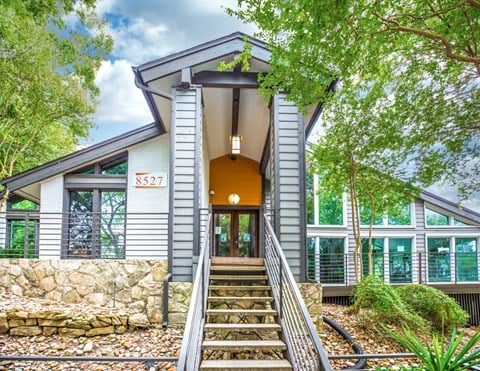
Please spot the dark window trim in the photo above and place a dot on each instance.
(78, 181)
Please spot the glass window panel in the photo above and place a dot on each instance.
(435, 218)
(310, 199)
(222, 233)
(458, 222)
(21, 236)
(377, 256)
(466, 259)
(326, 259)
(365, 217)
(246, 234)
(439, 259)
(23, 205)
(80, 224)
(112, 226)
(117, 169)
(330, 209)
(400, 260)
(400, 215)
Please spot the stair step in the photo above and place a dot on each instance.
(243, 345)
(240, 298)
(220, 260)
(233, 277)
(237, 268)
(246, 365)
(240, 287)
(241, 312)
(243, 326)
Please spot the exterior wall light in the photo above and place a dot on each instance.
(233, 199)
(235, 140)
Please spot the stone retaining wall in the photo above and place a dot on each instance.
(132, 286)
(129, 293)
(312, 296)
(65, 323)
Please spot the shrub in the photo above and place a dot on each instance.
(441, 356)
(377, 302)
(443, 312)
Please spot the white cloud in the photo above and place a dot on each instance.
(138, 41)
(122, 105)
(144, 30)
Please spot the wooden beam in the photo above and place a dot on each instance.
(217, 79)
(186, 79)
(235, 110)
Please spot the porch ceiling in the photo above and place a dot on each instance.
(252, 121)
(198, 66)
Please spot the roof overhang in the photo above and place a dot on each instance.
(231, 100)
(27, 184)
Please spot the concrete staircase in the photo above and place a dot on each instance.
(241, 330)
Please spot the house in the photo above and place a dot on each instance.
(216, 147)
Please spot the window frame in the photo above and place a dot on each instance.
(96, 182)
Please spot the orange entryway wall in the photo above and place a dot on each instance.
(240, 176)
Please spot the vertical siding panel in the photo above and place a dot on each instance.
(186, 124)
(287, 185)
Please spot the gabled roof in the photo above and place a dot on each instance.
(220, 48)
(449, 206)
(82, 157)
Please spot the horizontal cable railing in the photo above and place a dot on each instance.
(83, 235)
(396, 267)
(305, 351)
(190, 354)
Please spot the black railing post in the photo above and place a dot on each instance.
(26, 236)
(420, 278)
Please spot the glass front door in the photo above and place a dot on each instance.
(235, 233)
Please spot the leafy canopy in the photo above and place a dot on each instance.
(49, 53)
(420, 57)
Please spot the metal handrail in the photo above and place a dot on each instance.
(85, 235)
(304, 348)
(397, 267)
(190, 354)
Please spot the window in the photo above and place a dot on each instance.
(365, 216)
(377, 256)
(439, 259)
(21, 230)
(400, 260)
(466, 259)
(322, 208)
(96, 211)
(433, 217)
(326, 259)
(399, 215)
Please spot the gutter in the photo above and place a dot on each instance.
(146, 89)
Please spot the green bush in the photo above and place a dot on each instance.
(443, 312)
(441, 356)
(375, 301)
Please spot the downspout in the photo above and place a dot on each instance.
(141, 85)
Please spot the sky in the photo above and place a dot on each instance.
(144, 30)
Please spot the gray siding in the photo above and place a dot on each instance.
(186, 132)
(287, 182)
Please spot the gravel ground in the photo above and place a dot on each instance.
(160, 342)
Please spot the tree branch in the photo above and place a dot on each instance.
(432, 36)
(474, 3)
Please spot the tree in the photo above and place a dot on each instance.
(49, 54)
(357, 154)
(424, 54)
(407, 110)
